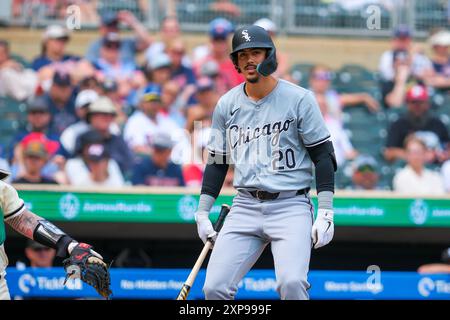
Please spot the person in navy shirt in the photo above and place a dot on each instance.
(181, 75)
(158, 170)
(61, 102)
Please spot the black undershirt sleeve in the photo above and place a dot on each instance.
(324, 160)
(214, 175)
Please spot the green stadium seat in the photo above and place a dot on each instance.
(356, 78)
(300, 73)
(12, 117)
(24, 62)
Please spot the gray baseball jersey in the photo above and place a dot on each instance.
(266, 139)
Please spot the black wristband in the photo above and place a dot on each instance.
(62, 245)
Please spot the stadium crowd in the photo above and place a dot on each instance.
(103, 119)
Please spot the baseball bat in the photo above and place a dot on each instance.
(191, 278)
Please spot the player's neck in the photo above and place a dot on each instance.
(257, 91)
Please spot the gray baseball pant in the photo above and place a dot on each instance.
(251, 225)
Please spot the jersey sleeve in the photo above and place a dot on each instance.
(10, 203)
(217, 139)
(311, 126)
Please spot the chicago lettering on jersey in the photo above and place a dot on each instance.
(238, 136)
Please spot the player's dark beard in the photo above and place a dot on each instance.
(254, 80)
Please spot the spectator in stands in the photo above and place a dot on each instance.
(89, 82)
(109, 62)
(282, 57)
(218, 50)
(419, 120)
(446, 175)
(181, 74)
(158, 70)
(320, 84)
(15, 81)
(365, 174)
(210, 69)
(132, 258)
(61, 102)
(40, 256)
(193, 171)
(35, 157)
(129, 46)
(440, 43)
(94, 167)
(175, 101)
(158, 170)
(53, 49)
(225, 8)
(400, 65)
(415, 178)
(38, 121)
(146, 121)
(70, 134)
(101, 116)
(110, 89)
(111, 66)
(343, 148)
(207, 100)
(170, 29)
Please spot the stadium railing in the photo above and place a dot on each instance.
(314, 17)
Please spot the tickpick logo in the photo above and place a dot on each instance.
(26, 282)
(425, 287)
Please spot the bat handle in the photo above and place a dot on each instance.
(221, 219)
(184, 292)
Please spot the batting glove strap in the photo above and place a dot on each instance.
(323, 228)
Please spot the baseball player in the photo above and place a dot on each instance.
(80, 256)
(272, 132)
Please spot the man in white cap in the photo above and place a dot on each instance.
(101, 116)
(70, 134)
(440, 43)
(54, 44)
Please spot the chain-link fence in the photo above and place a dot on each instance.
(369, 18)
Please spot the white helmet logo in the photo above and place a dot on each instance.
(246, 36)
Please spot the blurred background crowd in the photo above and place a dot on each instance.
(136, 109)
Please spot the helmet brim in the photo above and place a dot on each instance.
(251, 45)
